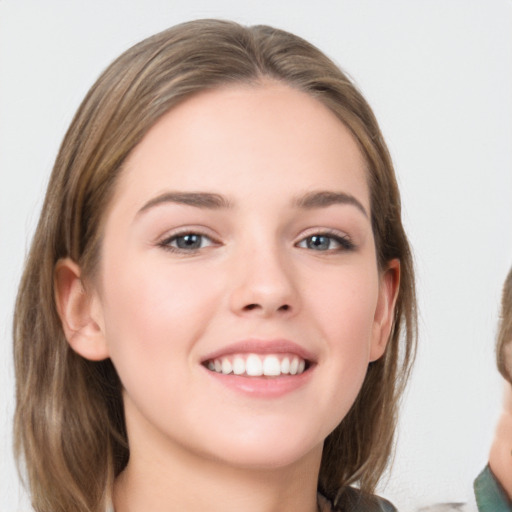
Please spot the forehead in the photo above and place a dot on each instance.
(247, 138)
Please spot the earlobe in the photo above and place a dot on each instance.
(385, 310)
(77, 312)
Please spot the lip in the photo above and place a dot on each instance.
(262, 387)
(255, 346)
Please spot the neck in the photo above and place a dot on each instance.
(214, 487)
(172, 478)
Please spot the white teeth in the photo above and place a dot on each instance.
(253, 366)
(238, 365)
(271, 366)
(226, 366)
(294, 366)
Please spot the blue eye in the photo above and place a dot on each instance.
(326, 242)
(186, 242)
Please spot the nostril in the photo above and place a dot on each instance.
(251, 307)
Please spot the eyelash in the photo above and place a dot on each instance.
(166, 242)
(343, 242)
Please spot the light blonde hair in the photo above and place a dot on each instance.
(69, 422)
(504, 340)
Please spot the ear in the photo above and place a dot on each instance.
(384, 312)
(79, 312)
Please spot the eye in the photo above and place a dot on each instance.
(326, 242)
(186, 242)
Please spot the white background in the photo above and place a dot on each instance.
(438, 74)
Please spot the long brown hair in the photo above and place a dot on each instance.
(504, 341)
(69, 423)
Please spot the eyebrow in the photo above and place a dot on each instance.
(197, 199)
(324, 199)
(211, 201)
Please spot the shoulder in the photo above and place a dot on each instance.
(353, 500)
(489, 494)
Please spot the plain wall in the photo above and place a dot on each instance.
(438, 74)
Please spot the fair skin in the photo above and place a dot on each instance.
(239, 229)
(500, 457)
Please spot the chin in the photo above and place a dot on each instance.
(268, 452)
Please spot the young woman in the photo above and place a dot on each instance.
(218, 308)
(493, 487)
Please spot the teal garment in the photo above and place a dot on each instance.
(490, 496)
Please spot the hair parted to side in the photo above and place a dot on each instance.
(69, 422)
(504, 341)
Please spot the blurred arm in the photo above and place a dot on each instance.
(500, 457)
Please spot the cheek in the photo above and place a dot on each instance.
(346, 306)
(345, 313)
(154, 311)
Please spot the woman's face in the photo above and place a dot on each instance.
(239, 242)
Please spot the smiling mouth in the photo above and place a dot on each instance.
(258, 365)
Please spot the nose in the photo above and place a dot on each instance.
(264, 285)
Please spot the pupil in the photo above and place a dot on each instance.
(189, 241)
(319, 242)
